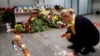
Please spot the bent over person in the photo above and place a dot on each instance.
(81, 32)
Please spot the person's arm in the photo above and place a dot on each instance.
(68, 32)
(68, 36)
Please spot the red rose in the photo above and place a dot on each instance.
(16, 32)
(28, 28)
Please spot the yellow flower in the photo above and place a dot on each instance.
(19, 25)
(32, 18)
(43, 11)
(55, 17)
(16, 25)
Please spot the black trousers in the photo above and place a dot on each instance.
(84, 46)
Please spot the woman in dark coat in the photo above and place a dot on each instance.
(84, 35)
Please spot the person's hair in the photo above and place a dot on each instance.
(64, 11)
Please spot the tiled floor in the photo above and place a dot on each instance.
(48, 43)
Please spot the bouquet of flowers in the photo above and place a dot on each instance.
(36, 25)
(19, 28)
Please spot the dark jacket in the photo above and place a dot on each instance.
(86, 32)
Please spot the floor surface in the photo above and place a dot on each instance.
(47, 43)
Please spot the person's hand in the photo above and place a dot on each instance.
(63, 35)
(68, 36)
(70, 54)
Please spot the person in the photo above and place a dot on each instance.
(80, 31)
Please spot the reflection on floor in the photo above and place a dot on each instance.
(48, 43)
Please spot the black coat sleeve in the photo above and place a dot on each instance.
(86, 32)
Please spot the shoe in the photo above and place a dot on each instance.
(85, 52)
(71, 47)
(93, 50)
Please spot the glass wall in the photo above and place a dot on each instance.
(83, 6)
(80, 6)
(54, 2)
(75, 6)
(90, 6)
(67, 3)
(3, 3)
